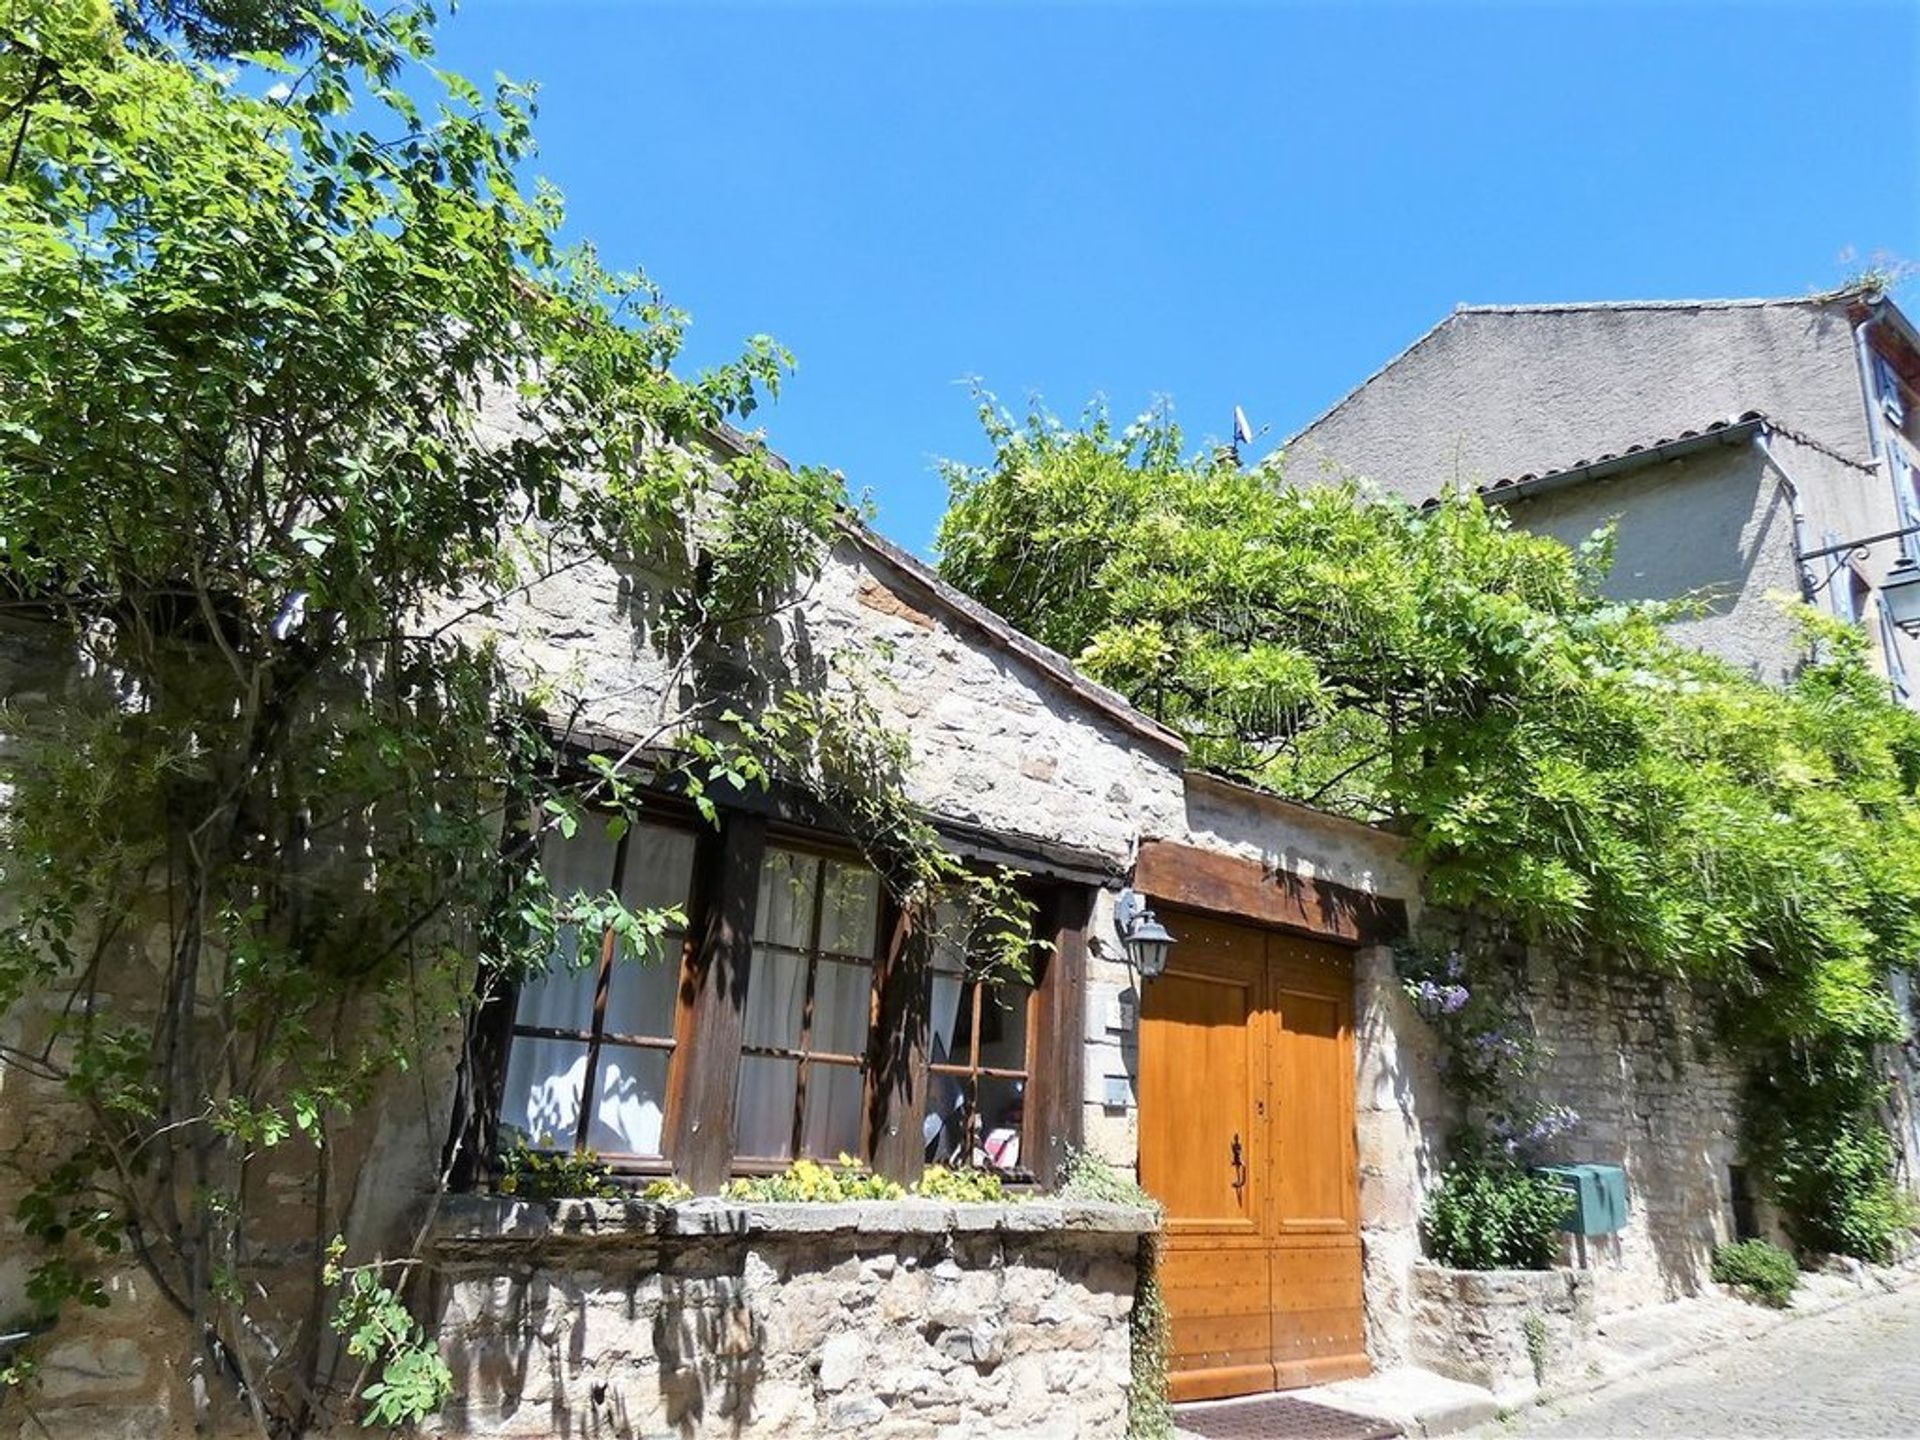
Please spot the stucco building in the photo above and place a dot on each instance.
(1732, 441)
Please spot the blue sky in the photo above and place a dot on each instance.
(1245, 204)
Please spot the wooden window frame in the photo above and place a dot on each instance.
(596, 1037)
(814, 954)
(707, 1046)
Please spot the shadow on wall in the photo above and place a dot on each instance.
(1635, 1057)
(675, 1344)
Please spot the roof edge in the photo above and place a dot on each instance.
(1352, 394)
(916, 572)
(1827, 297)
(1731, 431)
(1830, 297)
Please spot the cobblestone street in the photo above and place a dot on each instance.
(1852, 1372)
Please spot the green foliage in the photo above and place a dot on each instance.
(1812, 1126)
(1534, 1327)
(1085, 1176)
(299, 386)
(961, 1187)
(529, 1173)
(1760, 1270)
(809, 1180)
(218, 29)
(666, 1191)
(413, 1380)
(1494, 1217)
(1556, 759)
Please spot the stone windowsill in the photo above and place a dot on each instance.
(485, 1222)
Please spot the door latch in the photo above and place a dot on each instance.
(1239, 1166)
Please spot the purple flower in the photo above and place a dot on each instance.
(1456, 965)
(1452, 998)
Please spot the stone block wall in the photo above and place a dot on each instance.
(1400, 1120)
(1511, 1331)
(892, 1319)
(1636, 1058)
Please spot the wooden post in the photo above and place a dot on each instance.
(714, 991)
(897, 1052)
(1057, 1083)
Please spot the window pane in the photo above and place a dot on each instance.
(950, 1002)
(850, 921)
(776, 996)
(1003, 1027)
(788, 887)
(562, 999)
(834, 1093)
(842, 1005)
(659, 868)
(580, 866)
(949, 1020)
(763, 1109)
(632, 1086)
(1002, 1108)
(945, 1126)
(646, 988)
(541, 1105)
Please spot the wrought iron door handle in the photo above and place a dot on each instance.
(1239, 1166)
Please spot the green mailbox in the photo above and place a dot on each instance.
(1599, 1197)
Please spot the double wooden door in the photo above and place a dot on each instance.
(1247, 1139)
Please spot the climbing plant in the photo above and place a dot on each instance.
(1556, 758)
(300, 394)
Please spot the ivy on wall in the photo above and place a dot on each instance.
(1557, 760)
(299, 389)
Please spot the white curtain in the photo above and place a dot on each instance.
(791, 887)
(545, 1076)
(943, 1127)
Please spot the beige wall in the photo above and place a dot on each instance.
(1498, 394)
(1715, 526)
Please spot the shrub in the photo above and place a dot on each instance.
(810, 1180)
(964, 1187)
(1812, 1126)
(1489, 1217)
(533, 1174)
(665, 1192)
(1759, 1270)
(1085, 1176)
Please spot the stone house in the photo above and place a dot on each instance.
(1746, 449)
(1273, 1089)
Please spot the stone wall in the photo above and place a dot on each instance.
(1511, 1331)
(893, 1319)
(1400, 1123)
(1635, 1057)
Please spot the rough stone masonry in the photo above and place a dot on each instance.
(901, 1320)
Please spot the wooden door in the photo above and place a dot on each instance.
(1246, 1137)
(1319, 1315)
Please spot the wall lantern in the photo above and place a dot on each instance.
(1901, 593)
(1147, 940)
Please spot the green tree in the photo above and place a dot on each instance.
(220, 29)
(1554, 756)
(297, 386)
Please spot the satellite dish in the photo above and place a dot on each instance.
(1242, 431)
